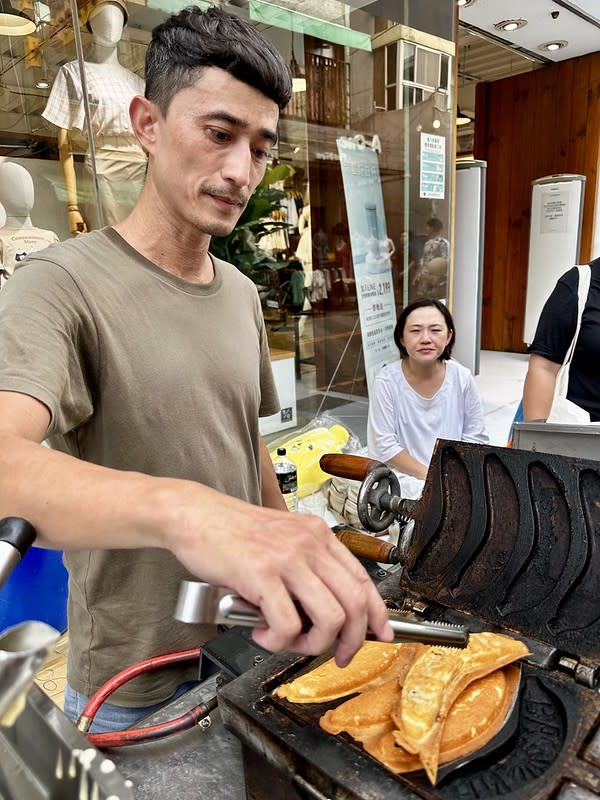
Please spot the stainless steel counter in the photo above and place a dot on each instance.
(197, 764)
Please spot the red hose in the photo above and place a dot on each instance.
(104, 692)
(153, 732)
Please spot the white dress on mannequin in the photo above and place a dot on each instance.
(120, 161)
(18, 236)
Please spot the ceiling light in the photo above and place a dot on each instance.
(298, 85)
(509, 25)
(551, 46)
(14, 22)
(43, 83)
(461, 118)
(464, 3)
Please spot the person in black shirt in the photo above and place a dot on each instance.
(554, 334)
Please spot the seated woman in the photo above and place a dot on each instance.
(422, 397)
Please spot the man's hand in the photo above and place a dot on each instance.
(274, 560)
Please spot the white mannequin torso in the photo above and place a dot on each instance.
(19, 236)
(110, 88)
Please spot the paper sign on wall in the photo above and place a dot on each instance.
(433, 166)
(554, 212)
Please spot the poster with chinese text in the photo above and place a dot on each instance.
(371, 251)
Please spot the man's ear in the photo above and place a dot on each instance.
(144, 117)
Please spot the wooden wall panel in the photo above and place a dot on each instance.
(526, 127)
(591, 207)
(564, 98)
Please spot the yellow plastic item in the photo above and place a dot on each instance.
(305, 450)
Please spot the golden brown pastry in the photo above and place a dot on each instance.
(374, 664)
(435, 681)
(365, 716)
(417, 706)
(474, 719)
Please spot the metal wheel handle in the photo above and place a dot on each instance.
(373, 499)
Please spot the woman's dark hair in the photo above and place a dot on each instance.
(424, 302)
(187, 42)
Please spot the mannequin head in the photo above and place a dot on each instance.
(106, 22)
(16, 190)
(90, 7)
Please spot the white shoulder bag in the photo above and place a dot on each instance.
(563, 411)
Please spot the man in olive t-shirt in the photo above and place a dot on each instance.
(153, 391)
(144, 360)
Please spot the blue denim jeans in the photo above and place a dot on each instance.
(111, 718)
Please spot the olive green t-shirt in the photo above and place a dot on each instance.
(142, 371)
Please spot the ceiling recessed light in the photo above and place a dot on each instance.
(557, 45)
(462, 3)
(510, 25)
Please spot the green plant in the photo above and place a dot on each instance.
(240, 247)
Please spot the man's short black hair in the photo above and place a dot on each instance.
(435, 223)
(187, 42)
(424, 302)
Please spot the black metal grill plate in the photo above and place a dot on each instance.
(512, 537)
(505, 540)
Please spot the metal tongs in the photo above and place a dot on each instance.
(200, 602)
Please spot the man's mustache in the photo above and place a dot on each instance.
(237, 198)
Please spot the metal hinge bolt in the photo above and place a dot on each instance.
(582, 673)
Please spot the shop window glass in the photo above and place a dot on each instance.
(87, 170)
(444, 72)
(427, 72)
(392, 64)
(409, 61)
(391, 98)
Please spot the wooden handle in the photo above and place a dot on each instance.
(346, 466)
(364, 546)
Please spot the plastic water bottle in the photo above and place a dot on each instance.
(287, 476)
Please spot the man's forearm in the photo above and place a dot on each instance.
(75, 504)
(268, 557)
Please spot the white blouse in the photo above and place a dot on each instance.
(400, 419)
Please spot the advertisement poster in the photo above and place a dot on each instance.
(433, 166)
(371, 250)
